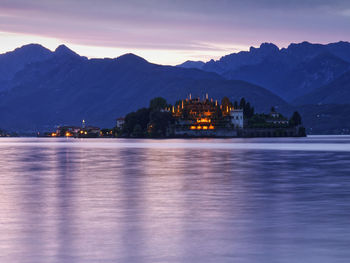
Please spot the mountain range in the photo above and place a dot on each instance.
(61, 88)
(40, 89)
(288, 72)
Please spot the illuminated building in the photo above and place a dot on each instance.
(237, 118)
(120, 122)
(205, 116)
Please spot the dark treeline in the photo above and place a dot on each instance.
(147, 122)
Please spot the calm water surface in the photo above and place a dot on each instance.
(234, 200)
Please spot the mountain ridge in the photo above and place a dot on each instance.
(336, 92)
(274, 68)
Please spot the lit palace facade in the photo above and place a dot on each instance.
(206, 117)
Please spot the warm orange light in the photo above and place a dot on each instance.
(205, 127)
(81, 132)
(193, 127)
(203, 120)
(211, 127)
(68, 134)
(85, 132)
(199, 127)
(53, 134)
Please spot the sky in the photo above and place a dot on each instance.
(170, 31)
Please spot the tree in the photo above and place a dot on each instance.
(248, 111)
(137, 132)
(242, 103)
(217, 113)
(273, 109)
(258, 120)
(140, 117)
(143, 117)
(158, 103)
(225, 102)
(130, 122)
(159, 123)
(295, 120)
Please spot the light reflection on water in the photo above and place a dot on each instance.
(241, 200)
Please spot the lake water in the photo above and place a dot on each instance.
(202, 200)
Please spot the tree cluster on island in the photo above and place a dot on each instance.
(147, 122)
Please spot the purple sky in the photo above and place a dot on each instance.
(170, 31)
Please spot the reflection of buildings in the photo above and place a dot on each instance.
(195, 117)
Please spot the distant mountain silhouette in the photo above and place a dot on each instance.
(193, 64)
(288, 72)
(12, 62)
(336, 92)
(62, 87)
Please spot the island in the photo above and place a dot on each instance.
(196, 118)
